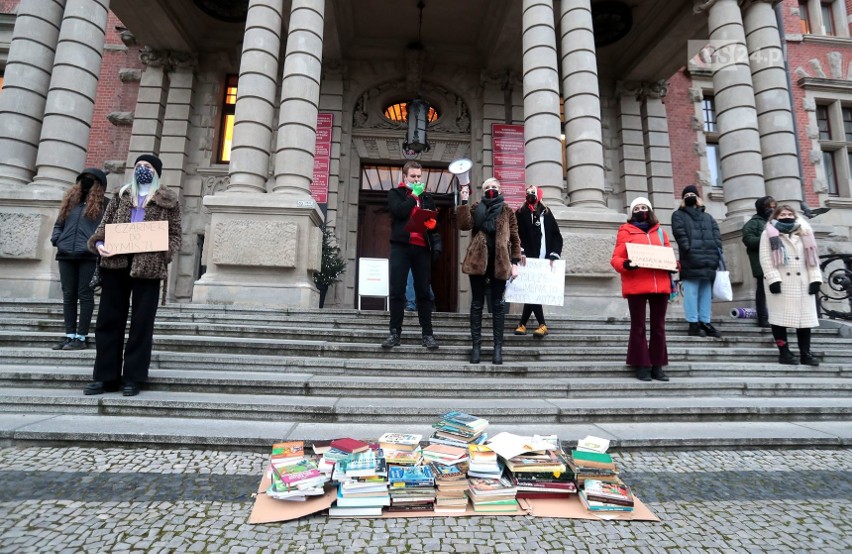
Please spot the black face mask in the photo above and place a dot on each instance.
(787, 220)
(532, 199)
(640, 216)
(492, 193)
(690, 201)
(87, 182)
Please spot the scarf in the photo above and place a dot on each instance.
(779, 251)
(485, 216)
(644, 225)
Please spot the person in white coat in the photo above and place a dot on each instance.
(792, 277)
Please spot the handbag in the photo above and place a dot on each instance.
(722, 289)
(674, 284)
(96, 276)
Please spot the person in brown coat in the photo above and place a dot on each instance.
(136, 276)
(493, 254)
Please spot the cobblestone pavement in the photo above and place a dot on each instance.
(113, 500)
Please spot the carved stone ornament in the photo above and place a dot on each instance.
(212, 184)
(368, 113)
(643, 90)
(153, 58)
(120, 118)
(168, 59)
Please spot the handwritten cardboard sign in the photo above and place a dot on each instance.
(652, 257)
(538, 283)
(129, 238)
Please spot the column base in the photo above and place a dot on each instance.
(264, 250)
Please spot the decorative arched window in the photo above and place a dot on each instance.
(398, 113)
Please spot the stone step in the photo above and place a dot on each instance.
(132, 431)
(311, 384)
(336, 409)
(388, 366)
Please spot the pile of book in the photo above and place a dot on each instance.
(603, 496)
(362, 485)
(593, 465)
(459, 429)
(452, 487)
(483, 463)
(411, 488)
(444, 454)
(492, 495)
(293, 478)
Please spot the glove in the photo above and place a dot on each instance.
(417, 189)
(775, 288)
(430, 223)
(813, 288)
(628, 265)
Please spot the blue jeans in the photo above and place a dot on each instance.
(410, 303)
(697, 295)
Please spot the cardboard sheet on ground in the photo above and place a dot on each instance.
(270, 510)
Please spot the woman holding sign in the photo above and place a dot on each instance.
(493, 254)
(640, 286)
(540, 238)
(136, 276)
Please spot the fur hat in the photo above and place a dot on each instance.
(153, 160)
(640, 200)
(690, 188)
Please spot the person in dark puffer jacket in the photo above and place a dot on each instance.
(80, 214)
(699, 244)
(763, 207)
(137, 276)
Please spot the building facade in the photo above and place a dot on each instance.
(276, 117)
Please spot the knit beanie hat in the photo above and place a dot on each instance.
(690, 188)
(96, 173)
(153, 160)
(640, 200)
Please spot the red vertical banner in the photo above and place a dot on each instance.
(322, 158)
(509, 162)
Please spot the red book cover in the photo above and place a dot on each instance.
(350, 446)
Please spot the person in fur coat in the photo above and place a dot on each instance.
(493, 254)
(136, 276)
(540, 238)
(792, 277)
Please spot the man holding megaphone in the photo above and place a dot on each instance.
(414, 246)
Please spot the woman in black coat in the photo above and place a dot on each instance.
(699, 244)
(540, 238)
(80, 213)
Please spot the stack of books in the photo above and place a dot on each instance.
(411, 488)
(296, 481)
(402, 458)
(537, 462)
(593, 465)
(483, 462)
(602, 496)
(362, 485)
(452, 487)
(399, 442)
(544, 484)
(459, 429)
(444, 454)
(287, 453)
(492, 495)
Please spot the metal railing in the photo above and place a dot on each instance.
(835, 297)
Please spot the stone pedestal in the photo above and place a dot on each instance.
(263, 251)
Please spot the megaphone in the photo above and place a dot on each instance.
(461, 169)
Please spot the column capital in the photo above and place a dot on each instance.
(703, 6)
(153, 58)
(168, 60)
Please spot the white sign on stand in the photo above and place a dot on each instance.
(538, 283)
(373, 278)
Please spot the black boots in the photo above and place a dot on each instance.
(808, 359)
(658, 374)
(643, 373)
(476, 331)
(785, 356)
(429, 342)
(709, 330)
(498, 317)
(392, 340)
(695, 330)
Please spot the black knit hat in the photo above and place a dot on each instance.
(94, 172)
(153, 160)
(690, 188)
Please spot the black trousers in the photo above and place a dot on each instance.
(760, 301)
(117, 292)
(803, 336)
(75, 276)
(418, 259)
(477, 289)
(530, 309)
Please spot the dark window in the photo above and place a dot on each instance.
(805, 17)
(708, 106)
(385, 177)
(823, 123)
(226, 125)
(847, 123)
(827, 19)
(830, 172)
(714, 163)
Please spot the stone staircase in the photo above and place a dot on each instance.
(241, 377)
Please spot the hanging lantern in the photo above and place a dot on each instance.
(418, 113)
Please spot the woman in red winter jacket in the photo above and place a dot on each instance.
(640, 285)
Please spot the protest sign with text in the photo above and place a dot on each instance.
(652, 257)
(129, 238)
(538, 283)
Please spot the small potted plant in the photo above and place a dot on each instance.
(332, 266)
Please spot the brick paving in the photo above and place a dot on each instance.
(145, 500)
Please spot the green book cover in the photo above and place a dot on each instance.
(592, 457)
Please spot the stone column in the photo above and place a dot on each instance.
(736, 116)
(658, 154)
(633, 173)
(146, 134)
(581, 91)
(772, 100)
(70, 101)
(542, 144)
(25, 85)
(300, 91)
(249, 167)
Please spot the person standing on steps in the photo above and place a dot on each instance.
(80, 214)
(752, 231)
(411, 250)
(132, 276)
(642, 286)
(790, 261)
(540, 238)
(493, 255)
(700, 245)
